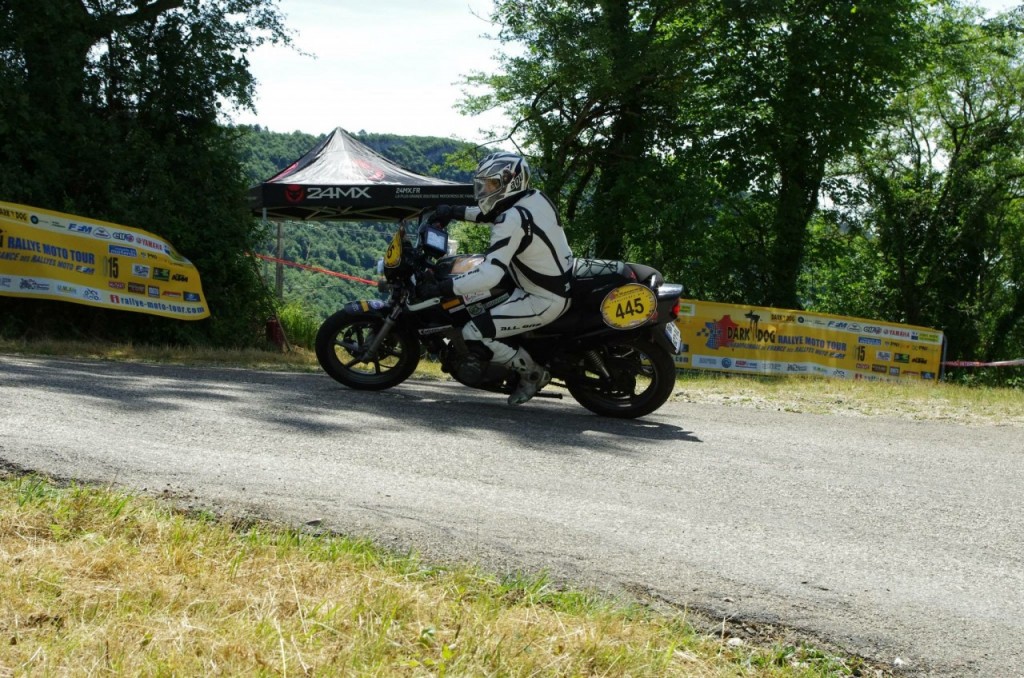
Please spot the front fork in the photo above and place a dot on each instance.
(372, 350)
(370, 354)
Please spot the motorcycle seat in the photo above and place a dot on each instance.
(598, 276)
(592, 280)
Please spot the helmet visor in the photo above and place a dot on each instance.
(486, 191)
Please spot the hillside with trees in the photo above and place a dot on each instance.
(264, 153)
(350, 248)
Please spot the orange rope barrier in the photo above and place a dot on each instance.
(998, 363)
(316, 269)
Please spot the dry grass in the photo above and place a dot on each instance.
(914, 401)
(297, 359)
(95, 582)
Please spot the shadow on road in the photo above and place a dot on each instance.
(312, 403)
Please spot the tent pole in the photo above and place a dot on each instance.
(279, 278)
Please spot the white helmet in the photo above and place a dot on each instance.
(499, 176)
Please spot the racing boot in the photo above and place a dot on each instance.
(532, 377)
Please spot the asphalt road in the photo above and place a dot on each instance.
(885, 538)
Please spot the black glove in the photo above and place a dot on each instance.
(430, 287)
(445, 213)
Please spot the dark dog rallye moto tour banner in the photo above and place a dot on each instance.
(763, 340)
(52, 255)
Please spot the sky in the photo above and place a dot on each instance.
(385, 66)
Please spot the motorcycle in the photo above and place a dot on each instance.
(612, 349)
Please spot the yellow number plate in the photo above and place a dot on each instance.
(393, 257)
(628, 306)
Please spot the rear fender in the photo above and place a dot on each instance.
(668, 310)
(660, 336)
(668, 296)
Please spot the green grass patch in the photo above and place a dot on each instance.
(924, 401)
(300, 325)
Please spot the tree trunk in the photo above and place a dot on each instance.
(796, 201)
(616, 183)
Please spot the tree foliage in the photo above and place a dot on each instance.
(343, 247)
(698, 132)
(943, 187)
(113, 113)
(793, 86)
(855, 157)
(264, 153)
(595, 96)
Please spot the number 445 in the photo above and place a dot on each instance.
(632, 307)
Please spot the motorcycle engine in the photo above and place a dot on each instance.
(470, 370)
(474, 368)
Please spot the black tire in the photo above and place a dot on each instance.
(642, 376)
(344, 336)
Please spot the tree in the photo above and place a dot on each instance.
(944, 186)
(595, 98)
(793, 85)
(116, 116)
(697, 134)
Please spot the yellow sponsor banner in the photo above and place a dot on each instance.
(771, 341)
(52, 255)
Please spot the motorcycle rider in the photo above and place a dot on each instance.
(528, 246)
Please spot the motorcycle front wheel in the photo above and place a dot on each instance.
(625, 380)
(342, 343)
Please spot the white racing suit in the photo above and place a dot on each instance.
(528, 244)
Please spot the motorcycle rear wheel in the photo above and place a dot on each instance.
(341, 344)
(641, 376)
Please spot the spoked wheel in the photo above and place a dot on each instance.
(626, 381)
(341, 349)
